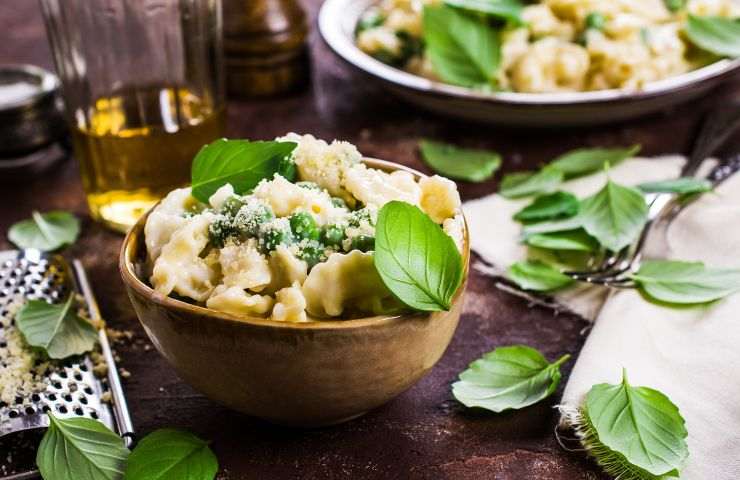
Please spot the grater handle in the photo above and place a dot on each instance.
(120, 408)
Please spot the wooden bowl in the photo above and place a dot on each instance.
(301, 374)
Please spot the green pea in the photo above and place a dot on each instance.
(220, 230)
(595, 20)
(312, 252)
(270, 237)
(250, 218)
(356, 218)
(363, 243)
(338, 202)
(304, 226)
(332, 235)
(231, 206)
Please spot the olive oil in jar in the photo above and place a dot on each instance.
(136, 146)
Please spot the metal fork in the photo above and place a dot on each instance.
(716, 128)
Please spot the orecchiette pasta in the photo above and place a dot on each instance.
(290, 305)
(238, 302)
(242, 265)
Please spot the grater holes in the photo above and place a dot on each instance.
(30, 410)
(13, 414)
(62, 409)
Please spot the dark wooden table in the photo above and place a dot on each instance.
(423, 433)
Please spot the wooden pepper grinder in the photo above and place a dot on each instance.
(265, 47)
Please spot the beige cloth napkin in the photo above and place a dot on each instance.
(692, 354)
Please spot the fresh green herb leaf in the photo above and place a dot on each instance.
(80, 449)
(538, 276)
(57, 329)
(571, 223)
(464, 49)
(241, 163)
(681, 186)
(170, 454)
(717, 35)
(508, 378)
(674, 5)
(45, 231)
(549, 207)
(595, 21)
(584, 161)
(460, 163)
(614, 216)
(517, 185)
(637, 424)
(575, 240)
(417, 261)
(685, 282)
(510, 10)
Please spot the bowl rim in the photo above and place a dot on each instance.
(331, 21)
(131, 244)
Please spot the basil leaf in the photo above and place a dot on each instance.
(717, 35)
(525, 184)
(464, 50)
(169, 454)
(674, 5)
(576, 240)
(614, 216)
(510, 10)
(460, 163)
(640, 424)
(241, 163)
(80, 449)
(508, 378)
(571, 223)
(681, 186)
(46, 232)
(538, 276)
(56, 329)
(584, 161)
(417, 261)
(685, 282)
(549, 207)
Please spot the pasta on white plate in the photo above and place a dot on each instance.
(291, 251)
(556, 45)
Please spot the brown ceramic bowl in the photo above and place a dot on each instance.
(305, 374)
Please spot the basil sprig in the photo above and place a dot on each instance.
(56, 329)
(717, 35)
(537, 276)
(679, 282)
(170, 454)
(45, 231)
(508, 378)
(681, 186)
(80, 449)
(415, 258)
(634, 432)
(549, 207)
(241, 163)
(460, 163)
(464, 49)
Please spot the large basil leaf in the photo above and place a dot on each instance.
(241, 163)
(614, 216)
(460, 163)
(417, 261)
(575, 240)
(717, 35)
(584, 161)
(463, 49)
(640, 424)
(510, 10)
(549, 207)
(170, 454)
(45, 231)
(525, 184)
(80, 449)
(681, 186)
(57, 329)
(538, 276)
(508, 378)
(560, 225)
(685, 282)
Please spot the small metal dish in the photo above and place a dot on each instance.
(338, 20)
(30, 110)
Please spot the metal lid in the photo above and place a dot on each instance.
(30, 109)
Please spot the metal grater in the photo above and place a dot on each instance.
(72, 389)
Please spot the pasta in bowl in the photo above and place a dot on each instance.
(546, 62)
(282, 317)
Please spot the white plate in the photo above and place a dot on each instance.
(337, 21)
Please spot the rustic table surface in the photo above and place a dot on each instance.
(423, 433)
